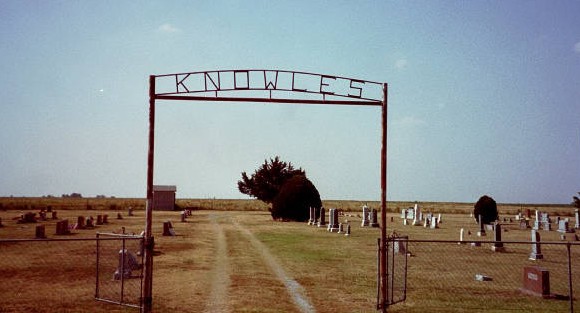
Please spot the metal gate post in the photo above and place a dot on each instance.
(383, 258)
(146, 296)
(570, 291)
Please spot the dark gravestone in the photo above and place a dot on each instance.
(322, 221)
(497, 246)
(62, 227)
(40, 232)
(536, 281)
(53, 213)
(536, 253)
(99, 220)
(105, 219)
(168, 229)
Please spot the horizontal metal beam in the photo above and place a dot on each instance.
(291, 101)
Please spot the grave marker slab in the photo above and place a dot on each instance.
(536, 253)
(168, 229)
(322, 221)
(536, 281)
(497, 246)
(62, 228)
(40, 234)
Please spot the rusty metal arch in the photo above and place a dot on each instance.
(273, 86)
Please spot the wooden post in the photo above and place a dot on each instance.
(147, 293)
(383, 257)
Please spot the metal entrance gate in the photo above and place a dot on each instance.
(119, 269)
(396, 283)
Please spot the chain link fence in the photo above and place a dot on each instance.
(64, 275)
(482, 278)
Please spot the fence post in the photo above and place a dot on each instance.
(97, 280)
(570, 291)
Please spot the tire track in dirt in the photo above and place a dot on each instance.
(295, 290)
(218, 299)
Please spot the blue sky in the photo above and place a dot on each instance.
(484, 97)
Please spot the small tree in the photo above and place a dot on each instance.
(487, 208)
(294, 200)
(576, 202)
(267, 180)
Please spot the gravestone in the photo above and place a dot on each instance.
(54, 217)
(322, 221)
(28, 217)
(481, 232)
(546, 221)
(416, 214)
(576, 219)
(537, 221)
(433, 222)
(130, 211)
(524, 224)
(439, 218)
(42, 215)
(405, 222)
(564, 227)
(168, 229)
(40, 234)
(99, 220)
(461, 233)
(374, 220)
(365, 216)
(332, 220)
(404, 214)
(536, 281)
(347, 233)
(80, 223)
(127, 263)
(89, 222)
(497, 246)
(105, 219)
(536, 253)
(340, 228)
(182, 216)
(311, 215)
(62, 228)
(426, 223)
(399, 246)
(119, 216)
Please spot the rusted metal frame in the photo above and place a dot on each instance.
(271, 100)
(147, 290)
(383, 269)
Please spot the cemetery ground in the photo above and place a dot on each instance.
(229, 256)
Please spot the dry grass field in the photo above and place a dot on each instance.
(229, 256)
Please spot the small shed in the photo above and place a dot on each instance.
(164, 197)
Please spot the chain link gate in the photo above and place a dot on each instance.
(397, 251)
(119, 269)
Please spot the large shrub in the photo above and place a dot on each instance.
(487, 208)
(576, 202)
(294, 200)
(267, 180)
